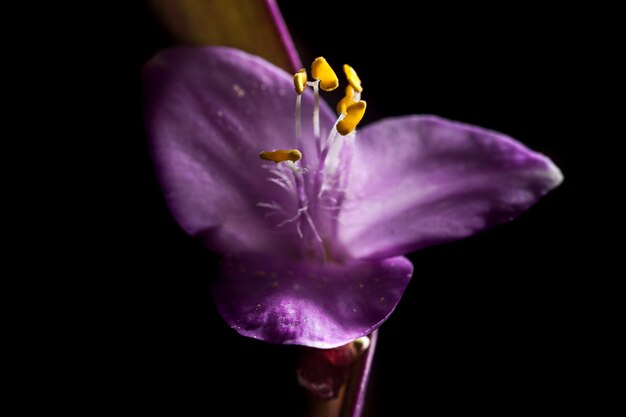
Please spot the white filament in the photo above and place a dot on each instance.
(298, 119)
(316, 112)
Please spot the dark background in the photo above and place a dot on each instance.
(491, 324)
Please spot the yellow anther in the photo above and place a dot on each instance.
(354, 114)
(282, 155)
(320, 70)
(299, 81)
(353, 79)
(347, 100)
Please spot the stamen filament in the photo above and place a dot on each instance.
(303, 203)
(331, 137)
(316, 113)
(326, 165)
(298, 120)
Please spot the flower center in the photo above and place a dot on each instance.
(318, 191)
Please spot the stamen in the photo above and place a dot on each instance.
(281, 155)
(327, 80)
(354, 114)
(320, 70)
(299, 82)
(347, 100)
(353, 79)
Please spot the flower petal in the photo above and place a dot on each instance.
(421, 180)
(209, 112)
(317, 305)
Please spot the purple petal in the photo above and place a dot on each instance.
(209, 112)
(421, 180)
(317, 305)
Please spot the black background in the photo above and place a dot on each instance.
(491, 324)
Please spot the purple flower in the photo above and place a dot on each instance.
(312, 250)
